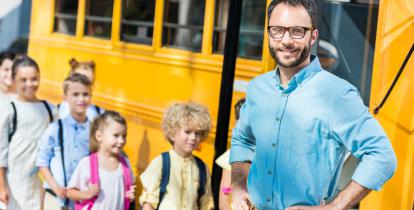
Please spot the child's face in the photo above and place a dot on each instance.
(6, 73)
(78, 97)
(27, 81)
(87, 72)
(112, 137)
(185, 140)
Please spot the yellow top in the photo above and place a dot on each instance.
(223, 160)
(182, 187)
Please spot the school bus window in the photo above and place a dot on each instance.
(98, 18)
(251, 28)
(340, 24)
(183, 24)
(138, 21)
(65, 16)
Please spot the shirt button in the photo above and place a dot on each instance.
(268, 199)
(277, 118)
(269, 172)
(274, 145)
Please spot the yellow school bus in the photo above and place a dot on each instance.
(151, 53)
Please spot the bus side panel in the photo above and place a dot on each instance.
(394, 40)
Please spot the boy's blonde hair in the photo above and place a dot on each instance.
(76, 77)
(181, 115)
(99, 124)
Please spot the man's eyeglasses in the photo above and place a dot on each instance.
(295, 32)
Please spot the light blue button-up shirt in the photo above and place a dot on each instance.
(296, 138)
(75, 144)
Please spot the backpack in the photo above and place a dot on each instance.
(93, 162)
(14, 121)
(165, 177)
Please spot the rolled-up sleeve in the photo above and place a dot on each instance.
(46, 144)
(243, 143)
(355, 127)
(150, 180)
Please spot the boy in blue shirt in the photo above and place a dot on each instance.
(70, 135)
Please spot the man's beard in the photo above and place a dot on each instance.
(303, 54)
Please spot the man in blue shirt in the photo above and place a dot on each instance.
(298, 123)
(71, 133)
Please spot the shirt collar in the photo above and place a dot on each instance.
(181, 159)
(73, 123)
(301, 77)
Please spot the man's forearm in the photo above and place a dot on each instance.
(239, 173)
(351, 195)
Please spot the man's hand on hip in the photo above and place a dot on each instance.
(239, 173)
(241, 199)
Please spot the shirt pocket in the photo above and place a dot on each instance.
(308, 140)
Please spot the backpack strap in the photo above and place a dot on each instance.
(97, 109)
(127, 180)
(93, 163)
(202, 179)
(14, 121)
(49, 110)
(165, 175)
(94, 167)
(94, 179)
(62, 155)
(62, 149)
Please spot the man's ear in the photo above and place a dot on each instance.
(314, 37)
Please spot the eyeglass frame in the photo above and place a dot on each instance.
(288, 29)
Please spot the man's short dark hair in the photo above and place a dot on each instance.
(309, 5)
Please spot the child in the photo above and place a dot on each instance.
(115, 188)
(7, 90)
(65, 143)
(21, 125)
(223, 161)
(185, 125)
(87, 69)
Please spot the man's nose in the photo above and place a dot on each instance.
(286, 37)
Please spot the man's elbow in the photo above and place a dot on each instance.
(393, 162)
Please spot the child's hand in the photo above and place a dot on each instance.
(4, 194)
(60, 192)
(131, 193)
(93, 191)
